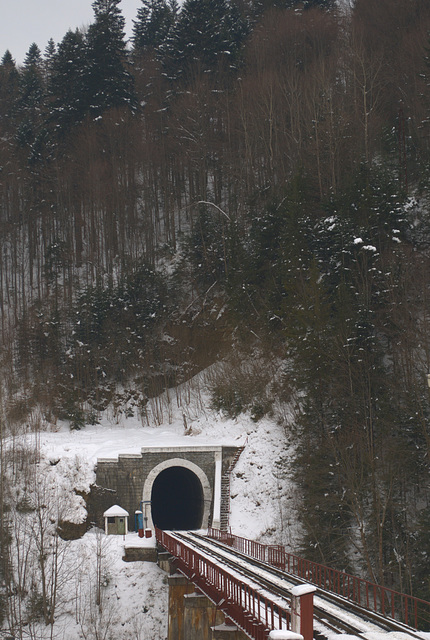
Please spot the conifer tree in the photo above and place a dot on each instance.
(50, 51)
(31, 80)
(7, 58)
(109, 82)
(260, 6)
(319, 4)
(155, 19)
(206, 33)
(31, 97)
(66, 84)
(9, 80)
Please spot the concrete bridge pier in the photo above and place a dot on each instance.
(200, 614)
(192, 616)
(179, 586)
(227, 631)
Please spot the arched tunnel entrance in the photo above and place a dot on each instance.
(177, 499)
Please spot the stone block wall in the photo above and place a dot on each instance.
(121, 481)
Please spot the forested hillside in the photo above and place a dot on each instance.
(248, 180)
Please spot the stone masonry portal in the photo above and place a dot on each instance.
(174, 487)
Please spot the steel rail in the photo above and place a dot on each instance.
(327, 600)
(254, 611)
(326, 621)
(358, 594)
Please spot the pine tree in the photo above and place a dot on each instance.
(7, 61)
(108, 81)
(66, 84)
(319, 4)
(31, 98)
(32, 81)
(263, 5)
(9, 81)
(239, 27)
(206, 33)
(50, 51)
(155, 19)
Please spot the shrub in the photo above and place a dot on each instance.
(243, 382)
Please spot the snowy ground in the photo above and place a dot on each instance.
(135, 594)
(262, 498)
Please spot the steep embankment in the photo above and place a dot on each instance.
(90, 569)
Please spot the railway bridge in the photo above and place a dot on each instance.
(227, 587)
(224, 586)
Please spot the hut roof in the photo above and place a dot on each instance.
(115, 512)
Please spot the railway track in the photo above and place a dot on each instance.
(332, 613)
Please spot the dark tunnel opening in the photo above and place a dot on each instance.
(177, 500)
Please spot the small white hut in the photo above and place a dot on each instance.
(116, 521)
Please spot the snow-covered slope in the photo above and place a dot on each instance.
(135, 594)
(263, 500)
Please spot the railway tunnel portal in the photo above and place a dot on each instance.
(175, 487)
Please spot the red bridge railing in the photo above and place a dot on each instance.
(246, 606)
(400, 607)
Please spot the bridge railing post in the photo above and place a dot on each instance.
(302, 610)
